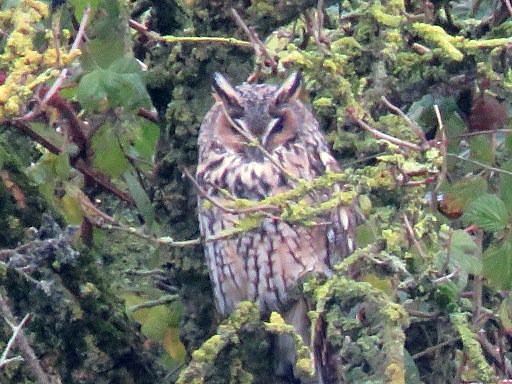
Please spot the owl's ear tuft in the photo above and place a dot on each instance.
(289, 90)
(225, 91)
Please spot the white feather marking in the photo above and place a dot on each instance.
(344, 218)
(331, 237)
(350, 244)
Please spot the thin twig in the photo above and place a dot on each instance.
(478, 286)
(423, 315)
(391, 139)
(444, 149)
(79, 164)
(415, 183)
(412, 236)
(476, 133)
(491, 349)
(188, 39)
(253, 141)
(149, 115)
(259, 48)
(421, 49)
(446, 278)
(16, 329)
(485, 166)
(417, 129)
(76, 43)
(234, 211)
(317, 27)
(509, 6)
(151, 272)
(166, 240)
(166, 299)
(435, 348)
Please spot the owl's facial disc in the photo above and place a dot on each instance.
(282, 127)
(260, 112)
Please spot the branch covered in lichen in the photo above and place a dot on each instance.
(472, 347)
(303, 364)
(204, 358)
(374, 325)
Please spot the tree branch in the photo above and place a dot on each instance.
(24, 346)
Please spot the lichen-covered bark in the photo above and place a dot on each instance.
(20, 204)
(78, 327)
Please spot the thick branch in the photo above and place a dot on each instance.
(24, 346)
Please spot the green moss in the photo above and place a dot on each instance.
(438, 35)
(204, 359)
(482, 371)
(386, 19)
(377, 342)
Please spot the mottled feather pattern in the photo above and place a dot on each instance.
(264, 264)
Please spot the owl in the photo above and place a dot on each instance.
(257, 141)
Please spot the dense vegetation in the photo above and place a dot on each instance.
(102, 267)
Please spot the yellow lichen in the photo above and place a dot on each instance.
(28, 66)
(440, 37)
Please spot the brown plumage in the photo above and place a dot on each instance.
(262, 265)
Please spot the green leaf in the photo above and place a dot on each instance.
(80, 5)
(447, 295)
(48, 132)
(108, 155)
(454, 126)
(70, 207)
(508, 142)
(125, 65)
(481, 149)
(62, 166)
(422, 111)
(488, 212)
(464, 253)
(91, 90)
(141, 198)
(497, 265)
(505, 184)
(505, 314)
(146, 138)
(365, 234)
(131, 83)
(412, 374)
(121, 84)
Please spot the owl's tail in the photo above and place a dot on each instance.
(323, 356)
(285, 349)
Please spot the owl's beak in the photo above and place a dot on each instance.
(254, 154)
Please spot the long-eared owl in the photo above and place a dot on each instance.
(257, 141)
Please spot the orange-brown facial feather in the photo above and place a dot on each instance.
(225, 132)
